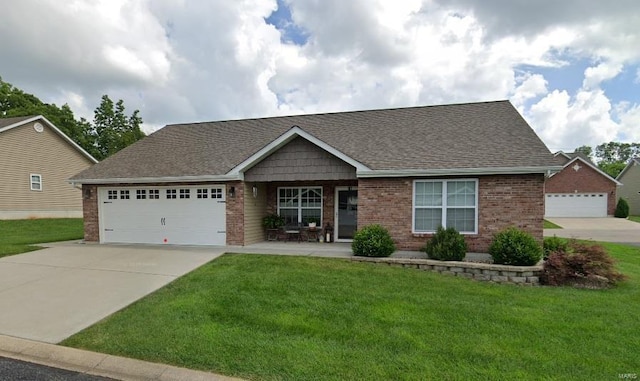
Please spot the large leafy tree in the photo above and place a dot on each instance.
(113, 130)
(612, 157)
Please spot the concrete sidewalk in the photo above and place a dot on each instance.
(98, 364)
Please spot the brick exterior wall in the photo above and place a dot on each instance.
(584, 180)
(90, 213)
(503, 201)
(235, 214)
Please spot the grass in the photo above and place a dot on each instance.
(297, 318)
(19, 236)
(634, 218)
(551, 225)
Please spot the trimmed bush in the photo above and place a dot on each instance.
(373, 241)
(581, 265)
(446, 245)
(622, 209)
(554, 244)
(515, 247)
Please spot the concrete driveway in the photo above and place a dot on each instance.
(598, 229)
(50, 294)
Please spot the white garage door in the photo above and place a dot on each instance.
(170, 215)
(575, 205)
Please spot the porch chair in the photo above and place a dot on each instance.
(293, 230)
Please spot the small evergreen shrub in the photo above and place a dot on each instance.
(446, 245)
(622, 209)
(515, 247)
(554, 244)
(373, 241)
(581, 265)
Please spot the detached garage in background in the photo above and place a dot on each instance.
(580, 189)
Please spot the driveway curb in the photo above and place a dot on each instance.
(98, 364)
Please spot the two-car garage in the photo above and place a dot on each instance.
(576, 205)
(181, 215)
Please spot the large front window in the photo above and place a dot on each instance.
(300, 205)
(447, 203)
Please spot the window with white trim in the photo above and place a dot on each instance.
(36, 182)
(185, 193)
(141, 194)
(216, 192)
(154, 194)
(447, 203)
(300, 204)
(171, 193)
(202, 193)
(124, 194)
(112, 195)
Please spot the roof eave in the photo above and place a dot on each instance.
(457, 171)
(149, 180)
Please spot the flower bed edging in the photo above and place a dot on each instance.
(521, 275)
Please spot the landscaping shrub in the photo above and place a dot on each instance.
(622, 209)
(581, 265)
(446, 245)
(373, 241)
(554, 244)
(515, 247)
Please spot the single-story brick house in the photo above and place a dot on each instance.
(580, 189)
(478, 167)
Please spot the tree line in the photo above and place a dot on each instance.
(611, 157)
(110, 131)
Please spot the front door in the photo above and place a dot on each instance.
(346, 213)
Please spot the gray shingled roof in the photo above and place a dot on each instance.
(460, 136)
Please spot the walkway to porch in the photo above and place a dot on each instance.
(315, 249)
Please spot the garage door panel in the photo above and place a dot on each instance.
(193, 217)
(576, 205)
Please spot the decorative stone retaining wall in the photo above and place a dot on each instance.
(521, 275)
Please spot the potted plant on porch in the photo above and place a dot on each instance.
(272, 223)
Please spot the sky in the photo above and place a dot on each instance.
(570, 67)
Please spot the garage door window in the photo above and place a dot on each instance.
(216, 193)
(112, 195)
(185, 193)
(171, 194)
(141, 194)
(124, 194)
(202, 193)
(154, 194)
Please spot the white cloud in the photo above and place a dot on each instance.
(182, 61)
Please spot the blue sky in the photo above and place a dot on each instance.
(570, 67)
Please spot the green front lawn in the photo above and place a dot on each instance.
(18, 236)
(299, 318)
(551, 225)
(634, 218)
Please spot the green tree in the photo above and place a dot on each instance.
(112, 129)
(614, 156)
(585, 150)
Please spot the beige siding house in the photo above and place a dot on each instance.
(37, 160)
(630, 189)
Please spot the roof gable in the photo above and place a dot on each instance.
(633, 163)
(7, 124)
(471, 138)
(588, 163)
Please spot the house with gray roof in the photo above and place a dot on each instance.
(580, 189)
(478, 167)
(629, 180)
(36, 160)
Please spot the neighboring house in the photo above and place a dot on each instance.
(630, 189)
(36, 161)
(477, 167)
(580, 189)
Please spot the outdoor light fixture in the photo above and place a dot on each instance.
(255, 191)
(232, 192)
